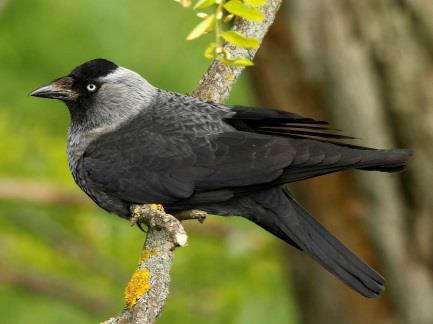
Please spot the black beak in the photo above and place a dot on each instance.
(60, 89)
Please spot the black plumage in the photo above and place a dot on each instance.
(145, 145)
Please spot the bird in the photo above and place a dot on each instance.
(130, 142)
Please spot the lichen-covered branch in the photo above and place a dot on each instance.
(148, 289)
(219, 79)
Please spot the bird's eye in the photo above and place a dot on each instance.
(91, 87)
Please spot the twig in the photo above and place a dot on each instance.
(3, 4)
(219, 79)
(147, 290)
(31, 280)
(39, 192)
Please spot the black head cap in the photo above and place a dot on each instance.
(94, 69)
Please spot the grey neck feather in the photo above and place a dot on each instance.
(122, 96)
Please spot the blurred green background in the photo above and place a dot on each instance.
(61, 258)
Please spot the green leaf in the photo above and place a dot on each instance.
(256, 3)
(201, 28)
(184, 3)
(209, 52)
(239, 9)
(239, 61)
(240, 40)
(201, 4)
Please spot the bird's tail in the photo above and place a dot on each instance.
(360, 158)
(277, 212)
(384, 160)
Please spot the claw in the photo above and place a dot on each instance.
(136, 217)
(192, 214)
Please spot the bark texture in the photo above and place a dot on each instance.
(219, 79)
(366, 65)
(148, 288)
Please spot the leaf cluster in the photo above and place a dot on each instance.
(217, 20)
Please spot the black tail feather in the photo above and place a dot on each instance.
(287, 220)
(386, 160)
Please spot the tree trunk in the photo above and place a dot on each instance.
(368, 66)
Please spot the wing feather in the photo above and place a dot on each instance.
(147, 162)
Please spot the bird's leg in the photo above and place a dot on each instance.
(155, 217)
(155, 209)
(200, 215)
(150, 210)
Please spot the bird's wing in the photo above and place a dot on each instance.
(319, 149)
(283, 123)
(139, 165)
(143, 164)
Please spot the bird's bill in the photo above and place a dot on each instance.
(60, 89)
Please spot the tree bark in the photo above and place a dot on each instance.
(368, 66)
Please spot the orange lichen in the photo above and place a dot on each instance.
(138, 285)
(158, 207)
(147, 253)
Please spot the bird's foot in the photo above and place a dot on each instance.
(199, 215)
(156, 218)
(151, 210)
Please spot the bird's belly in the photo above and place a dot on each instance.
(102, 199)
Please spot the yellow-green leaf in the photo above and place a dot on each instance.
(201, 4)
(239, 61)
(209, 52)
(184, 3)
(240, 40)
(238, 8)
(201, 28)
(256, 3)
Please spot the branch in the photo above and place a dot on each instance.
(148, 288)
(31, 280)
(39, 192)
(219, 79)
(3, 4)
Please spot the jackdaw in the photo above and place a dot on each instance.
(132, 143)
